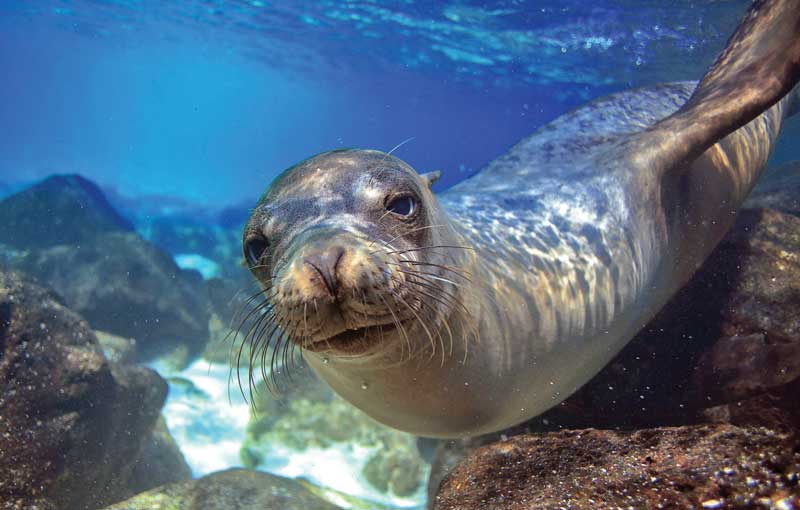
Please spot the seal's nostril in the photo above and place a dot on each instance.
(326, 263)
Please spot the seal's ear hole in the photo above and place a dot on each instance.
(254, 249)
(404, 205)
(431, 177)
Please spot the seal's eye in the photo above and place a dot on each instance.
(254, 249)
(403, 205)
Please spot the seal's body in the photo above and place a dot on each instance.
(476, 311)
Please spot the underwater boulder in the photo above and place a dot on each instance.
(706, 466)
(68, 235)
(72, 423)
(62, 209)
(124, 285)
(229, 490)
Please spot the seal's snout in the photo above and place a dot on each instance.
(335, 290)
(326, 263)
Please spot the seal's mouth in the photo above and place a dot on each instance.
(354, 340)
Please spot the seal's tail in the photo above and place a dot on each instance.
(759, 66)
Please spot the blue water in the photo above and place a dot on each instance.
(205, 101)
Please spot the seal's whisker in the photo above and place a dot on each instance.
(284, 360)
(234, 334)
(426, 227)
(428, 276)
(455, 301)
(443, 302)
(447, 302)
(431, 247)
(421, 322)
(277, 366)
(436, 315)
(258, 343)
(261, 306)
(398, 323)
(418, 279)
(256, 324)
(377, 238)
(458, 272)
(385, 156)
(268, 370)
(244, 305)
(305, 319)
(290, 364)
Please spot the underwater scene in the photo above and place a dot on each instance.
(373, 255)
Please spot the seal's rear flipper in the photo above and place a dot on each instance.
(759, 66)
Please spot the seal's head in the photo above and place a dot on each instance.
(348, 245)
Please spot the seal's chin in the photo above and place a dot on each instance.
(354, 341)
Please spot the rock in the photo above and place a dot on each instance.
(235, 489)
(160, 461)
(122, 284)
(64, 232)
(62, 209)
(72, 423)
(116, 348)
(710, 466)
(779, 189)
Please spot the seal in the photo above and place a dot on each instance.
(475, 310)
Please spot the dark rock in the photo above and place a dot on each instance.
(779, 189)
(160, 462)
(62, 209)
(72, 423)
(235, 489)
(711, 466)
(124, 285)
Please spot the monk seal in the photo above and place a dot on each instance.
(475, 310)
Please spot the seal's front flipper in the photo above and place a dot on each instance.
(759, 66)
